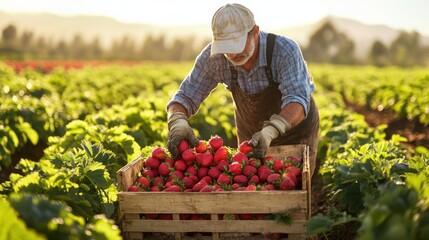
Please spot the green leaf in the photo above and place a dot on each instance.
(319, 224)
(32, 135)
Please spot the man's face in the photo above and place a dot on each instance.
(239, 59)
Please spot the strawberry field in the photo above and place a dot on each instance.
(66, 132)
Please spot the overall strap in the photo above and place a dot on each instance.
(271, 40)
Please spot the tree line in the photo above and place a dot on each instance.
(326, 45)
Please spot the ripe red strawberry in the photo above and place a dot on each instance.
(286, 184)
(164, 169)
(291, 176)
(240, 179)
(268, 158)
(156, 188)
(134, 188)
(249, 170)
(152, 163)
(251, 187)
(240, 157)
(220, 154)
(214, 172)
(274, 179)
(294, 158)
(159, 153)
(207, 188)
(245, 216)
(199, 185)
(180, 175)
(170, 161)
(166, 216)
(244, 147)
(202, 172)
(254, 162)
(215, 142)
(180, 165)
(278, 165)
(254, 179)
(204, 159)
(188, 156)
(201, 147)
(158, 180)
(183, 145)
(223, 165)
(294, 170)
(188, 182)
(149, 173)
(224, 179)
(194, 177)
(268, 187)
(207, 178)
(235, 168)
(173, 188)
(151, 216)
(143, 182)
(263, 175)
(191, 170)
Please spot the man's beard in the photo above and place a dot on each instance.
(242, 58)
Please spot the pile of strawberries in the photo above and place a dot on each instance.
(211, 166)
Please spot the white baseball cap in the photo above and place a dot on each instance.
(230, 26)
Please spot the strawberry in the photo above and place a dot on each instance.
(214, 172)
(188, 156)
(149, 173)
(220, 154)
(240, 157)
(202, 172)
(173, 188)
(249, 170)
(180, 165)
(152, 163)
(278, 165)
(194, 177)
(224, 179)
(199, 185)
(294, 158)
(188, 182)
(158, 180)
(244, 147)
(294, 170)
(251, 187)
(191, 170)
(207, 178)
(254, 162)
(164, 169)
(201, 147)
(183, 145)
(235, 168)
(222, 165)
(240, 179)
(269, 187)
(245, 216)
(254, 179)
(156, 189)
(134, 188)
(184, 216)
(207, 188)
(215, 142)
(159, 153)
(204, 159)
(151, 216)
(286, 184)
(180, 175)
(166, 216)
(144, 182)
(274, 179)
(170, 161)
(263, 176)
(291, 176)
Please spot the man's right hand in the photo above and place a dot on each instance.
(179, 129)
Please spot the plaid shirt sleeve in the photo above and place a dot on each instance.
(198, 84)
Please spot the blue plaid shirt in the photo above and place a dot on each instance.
(289, 70)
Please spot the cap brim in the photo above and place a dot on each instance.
(233, 46)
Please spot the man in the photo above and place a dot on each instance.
(271, 88)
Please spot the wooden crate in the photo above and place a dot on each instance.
(297, 203)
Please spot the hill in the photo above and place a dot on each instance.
(108, 29)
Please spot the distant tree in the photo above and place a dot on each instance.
(8, 45)
(379, 54)
(329, 45)
(77, 48)
(154, 48)
(406, 50)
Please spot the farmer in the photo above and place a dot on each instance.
(267, 77)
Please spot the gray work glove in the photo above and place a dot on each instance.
(179, 129)
(275, 127)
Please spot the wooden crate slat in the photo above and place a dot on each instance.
(213, 202)
(128, 174)
(244, 226)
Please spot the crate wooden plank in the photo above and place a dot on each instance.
(213, 202)
(244, 226)
(128, 174)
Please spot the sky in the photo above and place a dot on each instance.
(406, 15)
